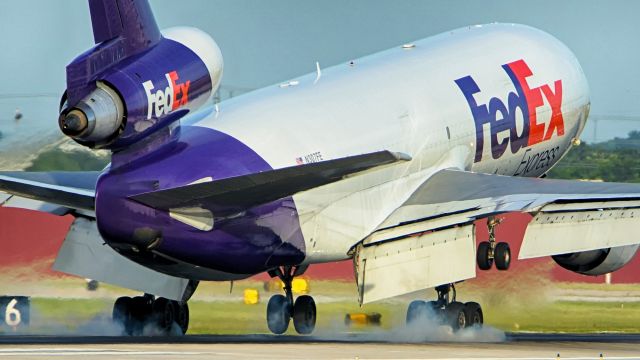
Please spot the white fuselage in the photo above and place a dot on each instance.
(407, 100)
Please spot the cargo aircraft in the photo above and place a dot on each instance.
(387, 160)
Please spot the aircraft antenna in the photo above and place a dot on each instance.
(318, 72)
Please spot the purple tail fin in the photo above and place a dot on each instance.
(121, 28)
(131, 19)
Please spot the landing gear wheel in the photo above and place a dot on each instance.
(304, 315)
(416, 312)
(483, 256)
(502, 256)
(164, 314)
(137, 312)
(122, 313)
(278, 315)
(446, 310)
(182, 316)
(140, 308)
(434, 310)
(456, 316)
(474, 314)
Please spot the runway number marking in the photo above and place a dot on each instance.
(12, 316)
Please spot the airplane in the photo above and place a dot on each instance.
(387, 160)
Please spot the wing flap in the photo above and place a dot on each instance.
(242, 192)
(563, 232)
(392, 268)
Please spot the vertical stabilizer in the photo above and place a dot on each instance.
(131, 19)
(135, 81)
(121, 28)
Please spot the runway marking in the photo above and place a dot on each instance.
(84, 352)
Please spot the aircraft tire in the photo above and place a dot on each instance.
(473, 311)
(416, 312)
(121, 314)
(434, 311)
(482, 257)
(304, 315)
(140, 309)
(278, 315)
(164, 314)
(456, 316)
(182, 316)
(502, 256)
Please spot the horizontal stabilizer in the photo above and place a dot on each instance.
(243, 192)
(73, 189)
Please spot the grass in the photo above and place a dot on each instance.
(571, 317)
(591, 286)
(57, 159)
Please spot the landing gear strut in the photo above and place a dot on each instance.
(446, 310)
(492, 251)
(282, 308)
(146, 314)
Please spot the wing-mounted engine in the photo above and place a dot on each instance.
(597, 262)
(135, 80)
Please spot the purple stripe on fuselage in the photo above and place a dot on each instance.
(250, 242)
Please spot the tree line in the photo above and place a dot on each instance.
(615, 160)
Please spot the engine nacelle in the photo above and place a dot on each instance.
(138, 95)
(597, 262)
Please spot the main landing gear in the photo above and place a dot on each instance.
(446, 311)
(149, 315)
(492, 251)
(282, 308)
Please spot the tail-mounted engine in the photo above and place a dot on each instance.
(136, 80)
(597, 262)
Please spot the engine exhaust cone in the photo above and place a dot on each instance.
(73, 123)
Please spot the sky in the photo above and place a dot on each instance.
(265, 42)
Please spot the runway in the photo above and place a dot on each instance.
(349, 346)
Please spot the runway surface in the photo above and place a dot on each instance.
(349, 346)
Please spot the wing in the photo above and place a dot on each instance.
(433, 230)
(234, 194)
(69, 190)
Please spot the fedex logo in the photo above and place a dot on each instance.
(500, 116)
(165, 101)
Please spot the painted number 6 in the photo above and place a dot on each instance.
(12, 316)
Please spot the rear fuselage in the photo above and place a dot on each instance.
(505, 99)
